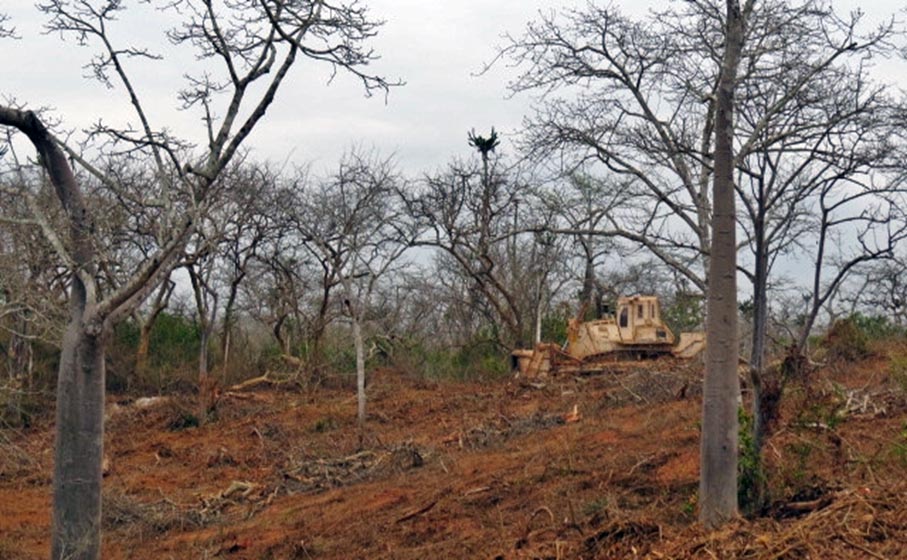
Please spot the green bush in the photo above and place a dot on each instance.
(876, 326)
(173, 350)
(847, 341)
(751, 480)
(685, 313)
(480, 359)
(554, 327)
(174, 341)
(897, 369)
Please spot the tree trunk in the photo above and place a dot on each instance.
(228, 323)
(721, 391)
(146, 325)
(79, 439)
(207, 316)
(141, 353)
(205, 388)
(766, 391)
(816, 299)
(767, 383)
(590, 289)
(538, 321)
(360, 370)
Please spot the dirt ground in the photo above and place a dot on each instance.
(604, 466)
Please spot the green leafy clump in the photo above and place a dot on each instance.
(876, 326)
(324, 424)
(847, 341)
(897, 369)
(750, 474)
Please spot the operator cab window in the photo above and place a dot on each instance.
(640, 311)
(624, 315)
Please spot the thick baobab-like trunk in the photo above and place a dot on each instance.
(79, 442)
(718, 472)
(78, 447)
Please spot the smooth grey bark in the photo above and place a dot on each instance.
(360, 371)
(721, 391)
(79, 440)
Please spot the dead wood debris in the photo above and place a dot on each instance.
(122, 511)
(237, 493)
(853, 523)
(417, 512)
(649, 385)
(317, 475)
(502, 429)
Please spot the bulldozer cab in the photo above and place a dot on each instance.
(635, 312)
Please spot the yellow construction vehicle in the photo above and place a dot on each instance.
(634, 332)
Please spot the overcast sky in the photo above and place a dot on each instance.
(437, 46)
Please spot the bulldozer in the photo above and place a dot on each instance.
(635, 332)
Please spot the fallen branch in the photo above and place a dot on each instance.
(417, 512)
(478, 490)
(254, 382)
(863, 548)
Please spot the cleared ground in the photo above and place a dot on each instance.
(492, 470)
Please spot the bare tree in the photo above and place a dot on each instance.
(721, 387)
(200, 263)
(291, 284)
(472, 213)
(638, 99)
(882, 289)
(256, 44)
(878, 226)
(817, 128)
(249, 227)
(354, 223)
(582, 207)
(218, 259)
(33, 284)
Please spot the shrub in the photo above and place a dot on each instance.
(685, 313)
(897, 369)
(750, 475)
(847, 341)
(876, 326)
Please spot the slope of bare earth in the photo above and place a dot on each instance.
(596, 467)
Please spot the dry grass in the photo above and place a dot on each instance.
(854, 523)
(124, 512)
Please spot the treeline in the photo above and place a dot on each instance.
(605, 193)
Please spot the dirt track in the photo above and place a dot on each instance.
(496, 470)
